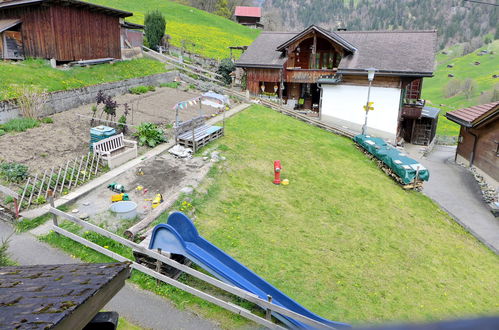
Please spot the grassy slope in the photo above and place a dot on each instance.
(40, 74)
(433, 89)
(342, 239)
(210, 33)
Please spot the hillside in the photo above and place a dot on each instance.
(456, 20)
(463, 67)
(211, 34)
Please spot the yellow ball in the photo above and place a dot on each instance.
(285, 182)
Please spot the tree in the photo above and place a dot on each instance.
(453, 87)
(155, 25)
(469, 87)
(225, 69)
(223, 9)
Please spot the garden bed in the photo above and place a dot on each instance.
(68, 136)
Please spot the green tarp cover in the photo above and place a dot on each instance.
(402, 165)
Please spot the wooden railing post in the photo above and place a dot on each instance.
(51, 201)
(158, 266)
(268, 312)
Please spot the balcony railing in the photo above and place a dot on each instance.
(306, 75)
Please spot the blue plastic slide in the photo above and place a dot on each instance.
(180, 236)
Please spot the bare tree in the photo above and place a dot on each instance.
(469, 87)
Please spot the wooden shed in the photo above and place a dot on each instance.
(66, 30)
(478, 143)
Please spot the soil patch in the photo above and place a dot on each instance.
(68, 137)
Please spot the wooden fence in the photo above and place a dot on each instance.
(58, 179)
(265, 304)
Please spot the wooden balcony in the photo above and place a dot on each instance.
(412, 111)
(295, 75)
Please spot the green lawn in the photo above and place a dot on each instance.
(342, 239)
(210, 33)
(38, 73)
(433, 88)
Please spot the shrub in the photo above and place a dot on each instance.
(19, 124)
(110, 105)
(2, 132)
(154, 28)
(4, 256)
(139, 90)
(150, 134)
(30, 100)
(173, 84)
(47, 120)
(14, 172)
(225, 69)
(453, 87)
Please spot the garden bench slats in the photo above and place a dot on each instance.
(116, 150)
(195, 134)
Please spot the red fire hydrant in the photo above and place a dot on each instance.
(277, 172)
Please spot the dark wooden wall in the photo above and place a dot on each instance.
(485, 158)
(256, 75)
(67, 33)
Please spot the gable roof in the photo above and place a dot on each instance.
(86, 5)
(474, 116)
(329, 35)
(262, 52)
(248, 11)
(398, 52)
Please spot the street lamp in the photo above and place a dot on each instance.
(370, 77)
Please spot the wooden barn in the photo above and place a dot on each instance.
(249, 16)
(324, 74)
(65, 30)
(478, 143)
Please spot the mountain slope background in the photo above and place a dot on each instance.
(456, 20)
(205, 34)
(462, 81)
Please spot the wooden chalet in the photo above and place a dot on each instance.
(65, 30)
(324, 73)
(478, 142)
(249, 16)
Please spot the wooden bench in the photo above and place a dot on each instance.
(195, 133)
(116, 150)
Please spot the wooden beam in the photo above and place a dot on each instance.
(224, 304)
(9, 192)
(213, 281)
(84, 313)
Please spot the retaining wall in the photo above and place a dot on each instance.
(64, 100)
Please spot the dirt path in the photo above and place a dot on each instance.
(68, 137)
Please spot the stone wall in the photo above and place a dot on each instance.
(65, 100)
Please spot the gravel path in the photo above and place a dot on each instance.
(454, 188)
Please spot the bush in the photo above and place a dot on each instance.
(150, 134)
(225, 69)
(4, 256)
(30, 100)
(142, 89)
(154, 28)
(2, 132)
(173, 84)
(14, 172)
(47, 120)
(453, 87)
(19, 124)
(139, 90)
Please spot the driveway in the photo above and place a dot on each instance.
(454, 188)
(138, 306)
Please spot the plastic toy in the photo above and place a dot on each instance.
(157, 200)
(120, 197)
(116, 187)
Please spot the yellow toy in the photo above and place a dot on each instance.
(285, 182)
(157, 200)
(119, 198)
